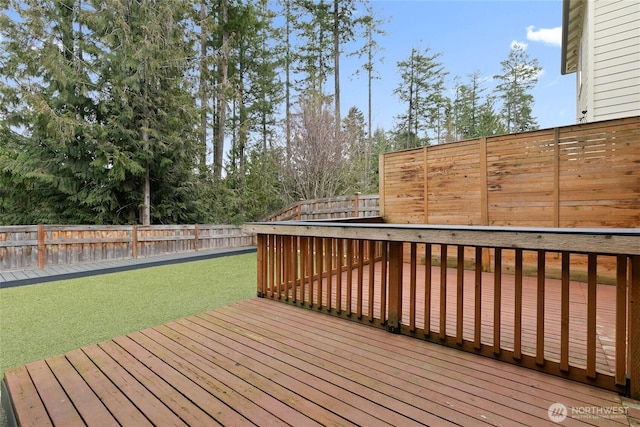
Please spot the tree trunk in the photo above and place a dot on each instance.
(203, 89)
(222, 94)
(336, 60)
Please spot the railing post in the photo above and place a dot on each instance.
(634, 329)
(394, 318)
(41, 247)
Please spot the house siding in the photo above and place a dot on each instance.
(583, 75)
(616, 59)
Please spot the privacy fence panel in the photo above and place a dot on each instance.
(585, 175)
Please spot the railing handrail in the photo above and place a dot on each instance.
(608, 241)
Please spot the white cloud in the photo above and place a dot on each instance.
(552, 36)
(521, 45)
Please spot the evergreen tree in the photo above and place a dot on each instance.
(103, 116)
(422, 90)
(313, 53)
(519, 76)
(371, 28)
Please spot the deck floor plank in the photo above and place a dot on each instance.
(162, 380)
(288, 355)
(316, 389)
(505, 378)
(261, 362)
(360, 369)
(398, 380)
(222, 408)
(59, 407)
(152, 407)
(445, 380)
(29, 409)
(114, 400)
(251, 384)
(88, 405)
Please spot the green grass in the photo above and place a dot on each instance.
(38, 321)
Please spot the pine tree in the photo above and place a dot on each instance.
(422, 89)
(519, 76)
(371, 28)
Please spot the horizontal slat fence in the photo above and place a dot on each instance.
(585, 175)
(582, 330)
(352, 206)
(39, 246)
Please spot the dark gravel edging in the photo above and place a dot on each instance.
(127, 266)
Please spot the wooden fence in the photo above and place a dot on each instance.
(39, 246)
(357, 205)
(586, 175)
(587, 332)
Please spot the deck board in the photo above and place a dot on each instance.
(261, 362)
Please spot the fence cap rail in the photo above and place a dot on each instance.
(609, 241)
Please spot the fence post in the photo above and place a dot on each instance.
(394, 318)
(134, 242)
(41, 247)
(634, 329)
(299, 210)
(195, 237)
(356, 204)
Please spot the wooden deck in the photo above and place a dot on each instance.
(261, 362)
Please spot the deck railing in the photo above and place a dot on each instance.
(396, 277)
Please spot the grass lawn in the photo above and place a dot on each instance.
(37, 321)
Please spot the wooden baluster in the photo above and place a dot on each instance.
(279, 262)
(328, 249)
(460, 295)
(477, 321)
(621, 319)
(339, 263)
(540, 309)
(309, 291)
(427, 289)
(591, 315)
(319, 267)
(443, 292)
(517, 321)
(360, 276)
(497, 305)
(564, 313)
(412, 286)
(286, 264)
(262, 266)
(372, 277)
(350, 244)
(272, 264)
(295, 243)
(383, 282)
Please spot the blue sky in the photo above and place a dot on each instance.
(473, 35)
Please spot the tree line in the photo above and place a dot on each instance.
(213, 111)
